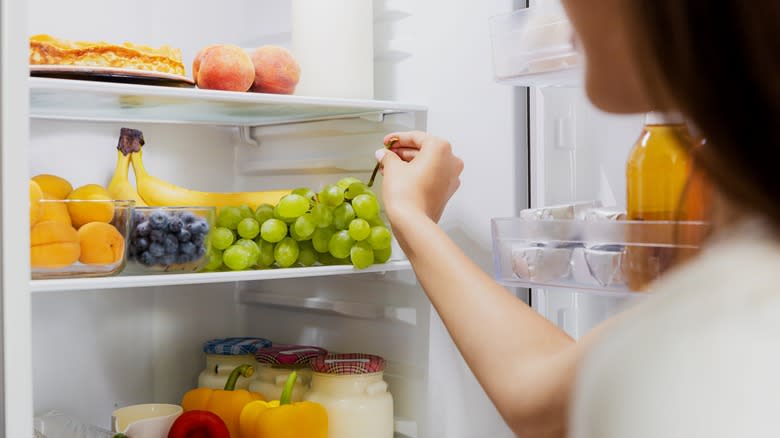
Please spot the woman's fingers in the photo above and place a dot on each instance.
(410, 139)
(406, 154)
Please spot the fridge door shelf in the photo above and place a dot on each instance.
(135, 281)
(607, 257)
(534, 47)
(64, 99)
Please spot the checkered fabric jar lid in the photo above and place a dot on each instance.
(235, 346)
(348, 364)
(288, 355)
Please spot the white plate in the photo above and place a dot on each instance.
(111, 74)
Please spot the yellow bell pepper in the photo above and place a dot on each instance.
(282, 419)
(227, 403)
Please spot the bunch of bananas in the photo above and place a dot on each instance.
(152, 191)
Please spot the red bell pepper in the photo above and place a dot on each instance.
(199, 424)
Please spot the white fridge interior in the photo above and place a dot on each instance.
(86, 347)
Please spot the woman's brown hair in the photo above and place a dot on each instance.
(719, 63)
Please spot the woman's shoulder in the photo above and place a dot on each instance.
(701, 357)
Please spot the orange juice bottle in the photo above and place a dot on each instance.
(657, 174)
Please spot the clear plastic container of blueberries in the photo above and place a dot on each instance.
(169, 239)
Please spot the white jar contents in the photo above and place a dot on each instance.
(274, 366)
(352, 389)
(333, 42)
(224, 355)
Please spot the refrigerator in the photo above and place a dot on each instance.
(88, 346)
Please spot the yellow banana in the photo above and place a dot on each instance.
(120, 187)
(157, 192)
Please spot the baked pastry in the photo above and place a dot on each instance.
(48, 50)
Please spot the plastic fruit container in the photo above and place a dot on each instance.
(170, 239)
(96, 249)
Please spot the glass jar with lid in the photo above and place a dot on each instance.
(353, 391)
(223, 355)
(274, 366)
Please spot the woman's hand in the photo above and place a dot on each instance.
(420, 175)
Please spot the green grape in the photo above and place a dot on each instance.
(266, 257)
(380, 238)
(253, 248)
(246, 211)
(322, 215)
(343, 215)
(293, 206)
(359, 229)
(344, 183)
(229, 217)
(362, 255)
(340, 244)
(366, 206)
(369, 192)
(306, 256)
(248, 228)
(382, 255)
(237, 258)
(264, 212)
(273, 230)
(277, 215)
(354, 189)
(321, 238)
(215, 260)
(222, 238)
(306, 193)
(332, 196)
(377, 222)
(328, 260)
(286, 252)
(304, 226)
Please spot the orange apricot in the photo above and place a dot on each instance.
(85, 212)
(52, 210)
(53, 244)
(53, 186)
(276, 70)
(36, 194)
(225, 67)
(101, 244)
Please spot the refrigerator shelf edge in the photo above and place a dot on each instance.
(134, 281)
(64, 99)
(533, 47)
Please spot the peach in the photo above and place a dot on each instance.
(198, 58)
(225, 67)
(53, 244)
(276, 70)
(85, 212)
(101, 244)
(52, 210)
(53, 186)
(36, 194)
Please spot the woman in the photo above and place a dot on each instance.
(701, 357)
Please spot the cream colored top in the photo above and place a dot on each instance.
(701, 358)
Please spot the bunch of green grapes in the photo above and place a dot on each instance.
(339, 225)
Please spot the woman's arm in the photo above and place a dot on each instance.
(525, 363)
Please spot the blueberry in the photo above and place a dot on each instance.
(201, 251)
(141, 244)
(175, 224)
(156, 249)
(158, 219)
(184, 236)
(199, 227)
(187, 248)
(168, 259)
(143, 228)
(188, 218)
(198, 239)
(146, 258)
(184, 258)
(138, 217)
(157, 236)
(171, 244)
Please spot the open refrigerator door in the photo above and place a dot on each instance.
(574, 247)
